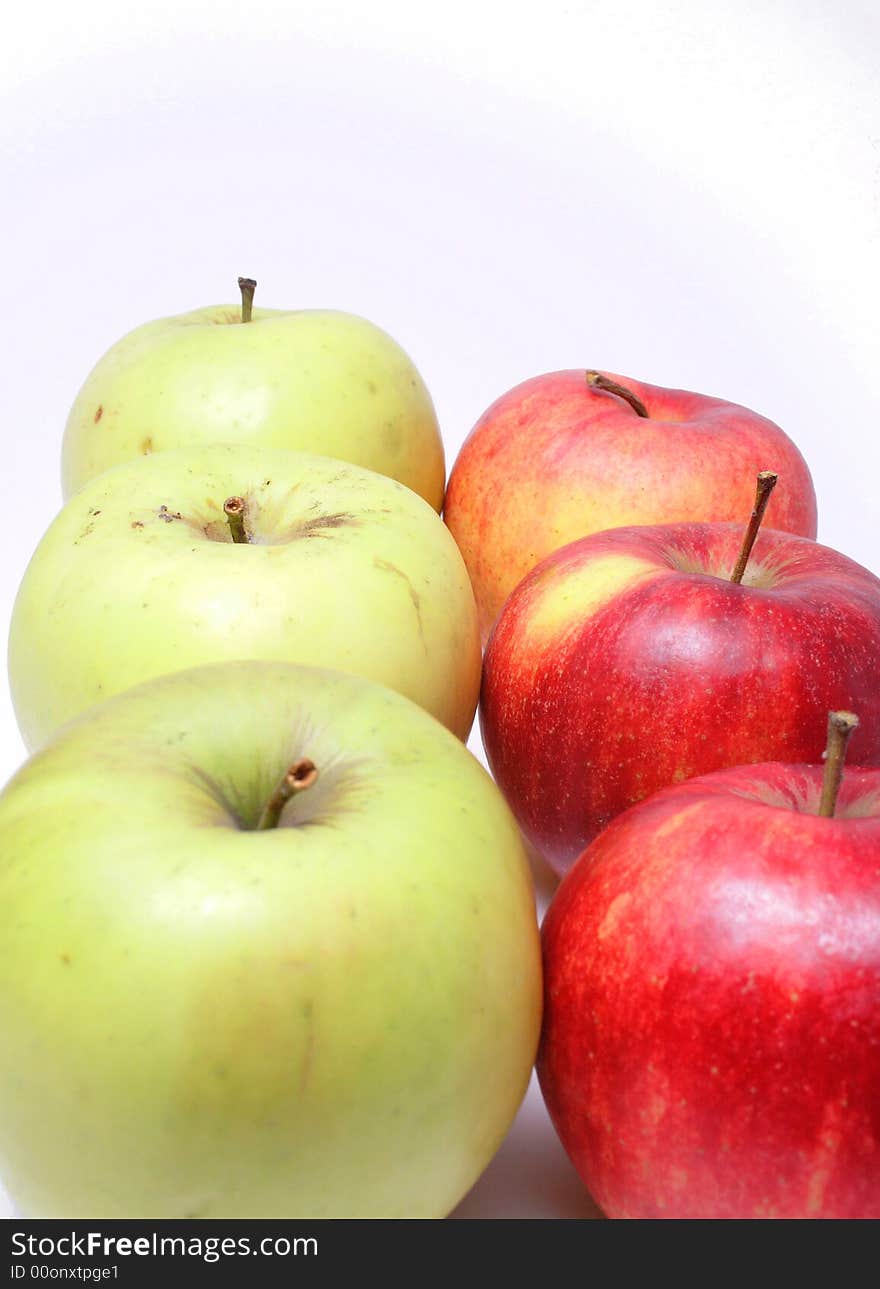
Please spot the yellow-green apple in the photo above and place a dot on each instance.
(317, 380)
(711, 1044)
(268, 948)
(141, 574)
(629, 660)
(572, 452)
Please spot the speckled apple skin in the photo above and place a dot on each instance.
(553, 460)
(313, 380)
(711, 1041)
(616, 669)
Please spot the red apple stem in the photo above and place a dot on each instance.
(766, 484)
(247, 286)
(300, 776)
(840, 728)
(233, 509)
(596, 380)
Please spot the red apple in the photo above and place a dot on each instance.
(628, 661)
(559, 457)
(711, 1041)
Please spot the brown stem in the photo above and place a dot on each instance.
(233, 509)
(247, 286)
(300, 776)
(766, 484)
(840, 728)
(596, 380)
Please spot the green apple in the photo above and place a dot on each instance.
(205, 1017)
(140, 575)
(316, 380)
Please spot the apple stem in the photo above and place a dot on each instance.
(247, 286)
(766, 484)
(233, 509)
(596, 380)
(840, 728)
(300, 776)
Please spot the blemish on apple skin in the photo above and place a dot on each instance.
(313, 527)
(99, 413)
(309, 1018)
(147, 446)
(387, 567)
(65, 958)
(136, 523)
(613, 914)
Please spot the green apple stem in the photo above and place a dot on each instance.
(233, 509)
(766, 484)
(840, 728)
(596, 380)
(247, 286)
(300, 776)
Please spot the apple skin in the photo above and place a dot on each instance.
(711, 1041)
(316, 380)
(337, 1017)
(139, 575)
(628, 661)
(554, 459)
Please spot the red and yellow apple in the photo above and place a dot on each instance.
(711, 1042)
(571, 453)
(628, 661)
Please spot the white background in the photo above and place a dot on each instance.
(684, 191)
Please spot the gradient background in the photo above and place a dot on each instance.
(685, 191)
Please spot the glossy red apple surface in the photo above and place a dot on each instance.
(711, 1042)
(628, 661)
(557, 458)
